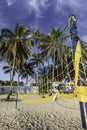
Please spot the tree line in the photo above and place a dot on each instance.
(45, 64)
(7, 83)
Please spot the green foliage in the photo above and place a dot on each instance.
(16, 48)
(7, 83)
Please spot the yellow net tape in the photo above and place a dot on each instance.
(81, 93)
(25, 99)
(77, 60)
(66, 96)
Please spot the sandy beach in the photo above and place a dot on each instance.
(63, 114)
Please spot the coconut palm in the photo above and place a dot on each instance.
(1, 43)
(7, 70)
(37, 36)
(36, 60)
(27, 70)
(43, 74)
(16, 47)
(84, 51)
(52, 43)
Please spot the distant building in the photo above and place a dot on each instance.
(31, 86)
(65, 86)
(6, 89)
(55, 86)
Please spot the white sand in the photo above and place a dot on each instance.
(60, 115)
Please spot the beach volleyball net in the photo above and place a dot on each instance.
(57, 78)
(67, 69)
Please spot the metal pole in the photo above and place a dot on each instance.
(80, 86)
(16, 100)
(83, 103)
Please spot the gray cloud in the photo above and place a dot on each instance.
(10, 2)
(36, 5)
(36, 13)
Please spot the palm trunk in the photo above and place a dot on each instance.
(48, 80)
(37, 80)
(26, 86)
(43, 87)
(18, 78)
(53, 69)
(10, 75)
(18, 81)
(39, 89)
(10, 92)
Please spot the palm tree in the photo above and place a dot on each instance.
(37, 36)
(7, 70)
(27, 70)
(1, 43)
(16, 47)
(43, 74)
(36, 60)
(52, 43)
(84, 51)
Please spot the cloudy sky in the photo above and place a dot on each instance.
(42, 14)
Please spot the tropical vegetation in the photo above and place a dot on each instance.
(47, 57)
